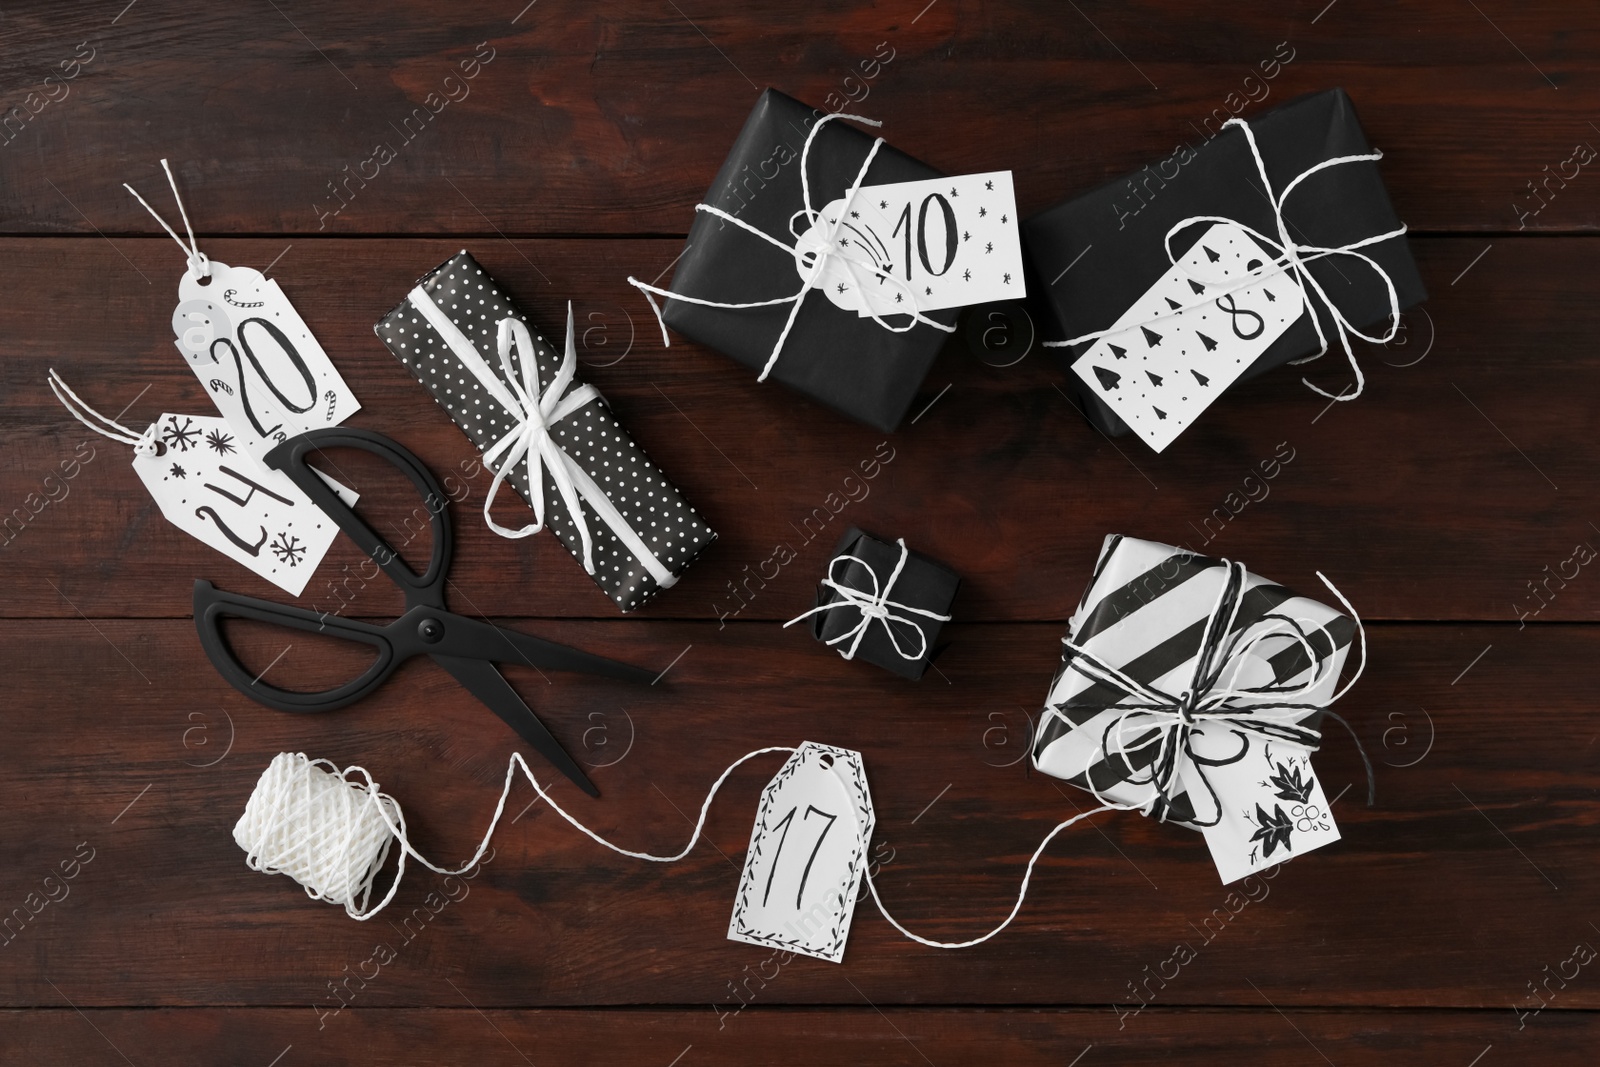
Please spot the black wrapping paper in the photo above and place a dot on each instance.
(592, 436)
(1119, 231)
(848, 363)
(924, 583)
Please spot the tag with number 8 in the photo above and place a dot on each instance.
(807, 855)
(256, 357)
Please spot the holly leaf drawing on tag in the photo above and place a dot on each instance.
(1288, 784)
(1272, 830)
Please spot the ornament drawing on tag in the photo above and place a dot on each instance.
(807, 855)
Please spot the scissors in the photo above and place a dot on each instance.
(467, 648)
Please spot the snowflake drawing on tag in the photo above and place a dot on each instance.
(288, 548)
(182, 437)
(178, 472)
(219, 442)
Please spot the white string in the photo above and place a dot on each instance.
(311, 821)
(1022, 892)
(874, 605)
(199, 265)
(1292, 259)
(828, 250)
(144, 444)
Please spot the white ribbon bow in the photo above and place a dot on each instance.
(1291, 259)
(873, 606)
(535, 410)
(813, 260)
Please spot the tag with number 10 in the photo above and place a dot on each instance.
(807, 855)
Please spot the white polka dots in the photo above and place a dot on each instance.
(672, 529)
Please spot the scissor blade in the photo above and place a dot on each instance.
(512, 646)
(482, 680)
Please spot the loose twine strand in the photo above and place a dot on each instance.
(331, 831)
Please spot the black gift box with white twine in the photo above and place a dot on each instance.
(1096, 254)
(520, 402)
(883, 603)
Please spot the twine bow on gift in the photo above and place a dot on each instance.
(1159, 724)
(874, 607)
(535, 410)
(1292, 258)
(813, 258)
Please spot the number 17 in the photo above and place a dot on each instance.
(783, 839)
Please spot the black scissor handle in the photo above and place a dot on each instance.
(212, 605)
(290, 457)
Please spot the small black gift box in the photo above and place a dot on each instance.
(883, 603)
(1097, 254)
(520, 402)
(852, 364)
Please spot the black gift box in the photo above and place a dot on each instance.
(1119, 230)
(849, 363)
(924, 583)
(664, 521)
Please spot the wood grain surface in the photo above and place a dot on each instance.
(1445, 503)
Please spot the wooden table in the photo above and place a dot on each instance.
(1454, 504)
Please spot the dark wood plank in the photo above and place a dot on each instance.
(1457, 487)
(1473, 873)
(607, 118)
(912, 1038)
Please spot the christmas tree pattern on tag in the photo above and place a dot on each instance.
(1192, 334)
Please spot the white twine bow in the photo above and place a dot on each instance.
(873, 606)
(145, 444)
(535, 409)
(1158, 721)
(813, 259)
(199, 265)
(1291, 259)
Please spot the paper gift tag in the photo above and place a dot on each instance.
(1179, 347)
(807, 855)
(1273, 809)
(208, 486)
(257, 358)
(946, 242)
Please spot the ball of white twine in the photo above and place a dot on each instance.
(332, 835)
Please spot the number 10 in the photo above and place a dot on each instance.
(949, 217)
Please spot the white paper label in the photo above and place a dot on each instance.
(208, 486)
(1273, 809)
(1158, 368)
(257, 358)
(807, 855)
(943, 242)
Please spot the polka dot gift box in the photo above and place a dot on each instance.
(547, 433)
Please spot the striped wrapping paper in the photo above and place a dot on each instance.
(1145, 613)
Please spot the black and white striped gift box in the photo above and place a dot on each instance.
(1145, 613)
